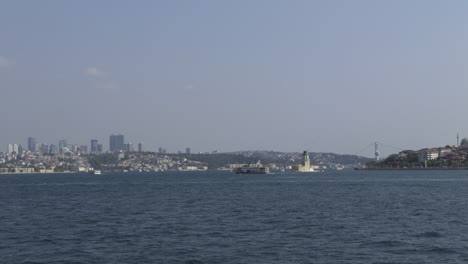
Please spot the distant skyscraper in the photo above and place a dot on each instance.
(53, 149)
(94, 145)
(74, 147)
(13, 148)
(44, 149)
(62, 145)
(83, 149)
(187, 151)
(128, 147)
(116, 142)
(20, 149)
(140, 147)
(32, 142)
(99, 148)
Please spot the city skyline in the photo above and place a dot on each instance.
(322, 76)
(94, 146)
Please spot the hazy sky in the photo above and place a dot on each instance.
(235, 75)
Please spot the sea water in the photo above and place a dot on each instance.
(220, 217)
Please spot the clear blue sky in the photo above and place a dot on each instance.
(235, 75)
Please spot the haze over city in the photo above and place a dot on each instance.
(328, 76)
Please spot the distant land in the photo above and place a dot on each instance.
(121, 161)
(447, 157)
(280, 159)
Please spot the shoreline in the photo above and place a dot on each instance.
(436, 168)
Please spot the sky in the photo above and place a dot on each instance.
(323, 76)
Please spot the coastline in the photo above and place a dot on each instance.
(435, 168)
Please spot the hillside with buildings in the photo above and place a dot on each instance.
(276, 160)
(440, 157)
(77, 160)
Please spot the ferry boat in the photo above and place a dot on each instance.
(252, 169)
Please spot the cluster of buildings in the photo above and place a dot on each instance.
(64, 157)
(125, 156)
(29, 162)
(458, 153)
(62, 148)
(149, 162)
(440, 157)
(116, 143)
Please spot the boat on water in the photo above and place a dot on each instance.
(257, 168)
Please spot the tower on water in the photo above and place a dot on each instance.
(305, 165)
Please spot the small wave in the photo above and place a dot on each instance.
(429, 234)
(442, 251)
(386, 243)
(193, 261)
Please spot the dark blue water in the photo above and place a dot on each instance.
(218, 217)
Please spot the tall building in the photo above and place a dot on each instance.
(73, 147)
(162, 151)
(187, 151)
(20, 149)
(83, 149)
(62, 144)
(44, 149)
(99, 148)
(32, 142)
(116, 142)
(94, 145)
(140, 147)
(128, 147)
(13, 148)
(53, 149)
